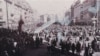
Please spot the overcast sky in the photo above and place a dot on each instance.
(51, 6)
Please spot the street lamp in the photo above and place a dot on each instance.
(97, 3)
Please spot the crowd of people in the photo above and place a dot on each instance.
(15, 43)
(76, 40)
(79, 41)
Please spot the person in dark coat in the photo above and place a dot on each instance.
(3, 46)
(63, 46)
(91, 51)
(37, 42)
(67, 47)
(31, 42)
(41, 40)
(93, 44)
(73, 48)
(86, 51)
(10, 48)
(54, 42)
(78, 48)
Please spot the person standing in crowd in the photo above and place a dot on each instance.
(86, 47)
(52, 44)
(63, 43)
(10, 48)
(3, 47)
(41, 40)
(37, 41)
(62, 46)
(68, 46)
(93, 44)
(34, 37)
(73, 47)
(49, 45)
(78, 47)
(90, 50)
(48, 38)
(31, 42)
(53, 41)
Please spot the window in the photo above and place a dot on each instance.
(0, 24)
(25, 13)
(0, 9)
(12, 15)
(82, 15)
(1, 17)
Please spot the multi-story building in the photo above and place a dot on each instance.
(3, 14)
(80, 11)
(11, 11)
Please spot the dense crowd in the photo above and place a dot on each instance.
(14, 43)
(75, 40)
(60, 40)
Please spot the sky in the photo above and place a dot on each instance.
(58, 7)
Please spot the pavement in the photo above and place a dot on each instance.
(42, 51)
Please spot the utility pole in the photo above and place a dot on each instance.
(7, 14)
(97, 3)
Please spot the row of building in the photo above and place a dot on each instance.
(84, 11)
(80, 13)
(11, 11)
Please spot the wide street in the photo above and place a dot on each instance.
(42, 51)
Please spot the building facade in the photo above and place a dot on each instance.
(80, 11)
(11, 11)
